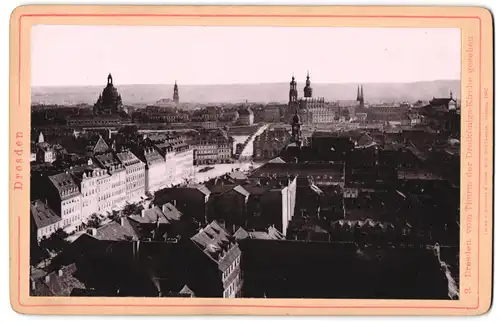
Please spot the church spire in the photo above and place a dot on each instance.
(292, 94)
(176, 93)
(361, 97)
(358, 95)
(110, 79)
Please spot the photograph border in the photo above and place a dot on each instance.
(476, 23)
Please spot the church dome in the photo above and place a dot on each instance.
(110, 101)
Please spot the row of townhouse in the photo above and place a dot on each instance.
(107, 182)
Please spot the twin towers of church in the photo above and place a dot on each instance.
(293, 93)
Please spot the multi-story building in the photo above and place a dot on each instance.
(212, 147)
(272, 112)
(178, 156)
(270, 143)
(256, 205)
(44, 221)
(217, 252)
(64, 197)
(117, 180)
(246, 116)
(167, 152)
(155, 169)
(94, 184)
(135, 175)
(183, 160)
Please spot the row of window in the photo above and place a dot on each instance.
(231, 268)
(230, 291)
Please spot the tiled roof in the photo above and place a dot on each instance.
(110, 162)
(64, 184)
(127, 158)
(43, 215)
(115, 231)
(242, 191)
(152, 215)
(58, 283)
(171, 212)
(217, 244)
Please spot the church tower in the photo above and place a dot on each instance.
(361, 97)
(176, 93)
(292, 96)
(110, 80)
(296, 133)
(308, 92)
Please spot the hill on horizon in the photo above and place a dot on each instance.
(142, 94)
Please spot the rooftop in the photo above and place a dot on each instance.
(42, 215)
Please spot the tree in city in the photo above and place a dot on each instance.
(56, 242)
(94, 221)
(131, 209)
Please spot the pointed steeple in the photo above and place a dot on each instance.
(358, 95)
(451, 94)
(41, 138)
(110, 79)
(176, 93)
(292, 94)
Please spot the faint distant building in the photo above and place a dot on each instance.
(212, 147)
(175, 97)
(44, 221)
(272, 113)
(447, 104)
(246, 116)
(270, 143)
(110, 101)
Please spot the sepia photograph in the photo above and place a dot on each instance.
(245, 162)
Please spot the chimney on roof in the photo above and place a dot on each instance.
(33, 285)
(93, 231)
(59, 272)
(143, 213)
(47, 278)
(122, 221)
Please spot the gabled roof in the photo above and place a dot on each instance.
(217, 244)
(237, 175)
(42, 215)
(57, 283)
(115, 231)
(64, 184)
(277, 160)
(152, 215)
(242, 191)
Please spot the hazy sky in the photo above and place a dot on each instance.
(84, 55)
